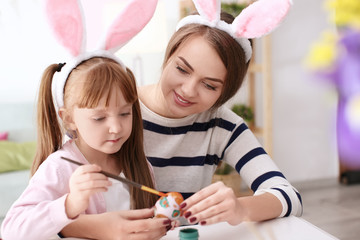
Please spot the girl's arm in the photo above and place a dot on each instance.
(39, 213)
(118, 225)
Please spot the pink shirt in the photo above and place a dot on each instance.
(39, 213)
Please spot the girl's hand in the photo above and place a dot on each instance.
(130, 224)
(213, 204)
(84, 182)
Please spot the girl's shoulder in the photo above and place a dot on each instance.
(55, 164)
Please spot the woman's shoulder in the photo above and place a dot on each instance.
(223, 113)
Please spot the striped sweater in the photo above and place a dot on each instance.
(185, 152)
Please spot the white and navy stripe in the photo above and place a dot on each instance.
(185, 152)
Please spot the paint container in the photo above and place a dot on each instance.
(189, 234)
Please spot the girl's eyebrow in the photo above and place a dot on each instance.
(192, 69)
(103, 109)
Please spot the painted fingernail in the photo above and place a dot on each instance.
(203, 223)
(167, 222)
(187, 214)
(193, 219)
(182, 205)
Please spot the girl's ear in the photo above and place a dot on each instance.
(67, 119)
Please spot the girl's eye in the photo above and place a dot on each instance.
(180, 69)
(208, 86)
(99, 119)
(125, 114)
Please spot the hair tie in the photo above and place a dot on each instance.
(60, 65)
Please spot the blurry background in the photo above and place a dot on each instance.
(303, 110)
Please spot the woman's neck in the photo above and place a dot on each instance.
(152, 97)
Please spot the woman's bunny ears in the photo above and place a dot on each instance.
(67, 20)
(257, 20)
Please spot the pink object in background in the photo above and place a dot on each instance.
(4, 136)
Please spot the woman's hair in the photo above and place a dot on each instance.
(85, 86)
(229, 50)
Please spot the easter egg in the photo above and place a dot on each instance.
(169, 206)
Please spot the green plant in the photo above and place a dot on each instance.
(243, 111)
(224, 169)
(233, 8)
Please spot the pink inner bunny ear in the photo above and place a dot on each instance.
(210, 9)
(131, 20)
(65, 17)
(260, 18)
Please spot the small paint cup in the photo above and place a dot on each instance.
(189, 234)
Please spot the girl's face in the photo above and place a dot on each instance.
(192, 79)
(103, 129)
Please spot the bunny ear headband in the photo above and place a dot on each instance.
(257, 20)
(66, 19)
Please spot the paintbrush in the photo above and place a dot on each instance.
(124, 180)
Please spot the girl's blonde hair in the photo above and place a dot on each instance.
(85, 86)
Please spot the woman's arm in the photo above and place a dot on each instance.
(218, 203)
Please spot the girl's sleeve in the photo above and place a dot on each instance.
(257, 169)
(39, 213)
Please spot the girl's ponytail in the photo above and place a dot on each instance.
(49, 132)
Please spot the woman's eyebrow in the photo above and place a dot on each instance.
(186, 63)
(192, 69)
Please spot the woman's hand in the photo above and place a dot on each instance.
(213, 204)
(84, 182)
(130, 224)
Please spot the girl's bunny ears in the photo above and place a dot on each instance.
(67, 20)
(257, 20)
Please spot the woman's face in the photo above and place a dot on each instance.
(192, 79)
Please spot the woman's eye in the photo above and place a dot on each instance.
(180, 69)
(208, 86)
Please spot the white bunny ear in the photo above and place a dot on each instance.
(209, 9)
(131, 21)
(260, 18)
(66, 19)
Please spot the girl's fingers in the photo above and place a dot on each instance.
(148, 234)
(139, 214)
(87, 168)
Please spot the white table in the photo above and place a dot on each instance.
(289, 228)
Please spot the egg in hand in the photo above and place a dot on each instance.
(169, 206)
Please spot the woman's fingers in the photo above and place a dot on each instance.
(212, 204)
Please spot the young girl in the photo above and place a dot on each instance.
(188, 130)
(95, 97)
(102, 110)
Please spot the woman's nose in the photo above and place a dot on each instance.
(189, 88)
